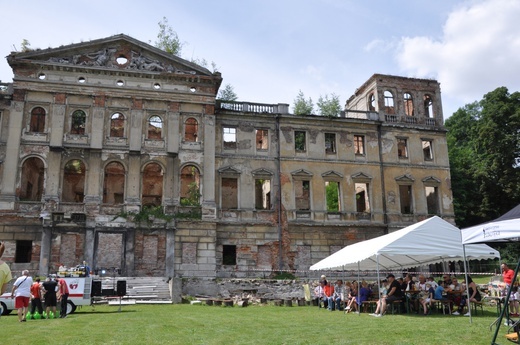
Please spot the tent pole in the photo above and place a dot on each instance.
(358, 289)
(468, 302)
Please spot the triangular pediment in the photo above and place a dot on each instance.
(228, 171)
(406, 178)
(301, 173)
(331, 174)
(262, 172)
(119, 52)
(360, 176)
(431, 180)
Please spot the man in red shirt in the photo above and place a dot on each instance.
(36, 300)
(63, 296)
(507, 275)
(328, 290)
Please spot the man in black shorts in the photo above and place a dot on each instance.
(49, 289)
(394, 293)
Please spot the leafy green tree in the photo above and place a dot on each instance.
(329, 107)
(25, 46)
(227, 93)
(302, 106)
(483, 143)
(167, 39)
(332, 191)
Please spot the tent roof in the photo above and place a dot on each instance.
(430, 241)
(504, 228)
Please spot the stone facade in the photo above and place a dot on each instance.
(116, 153)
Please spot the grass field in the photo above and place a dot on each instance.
(201, 324)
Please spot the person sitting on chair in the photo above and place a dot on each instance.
(394, 293)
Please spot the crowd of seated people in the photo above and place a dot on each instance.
(415, 294)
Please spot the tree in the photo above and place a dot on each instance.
(25, 46)
(302, 106)
(167, 39)
(227, 93)
(329, 107)
(483, 143)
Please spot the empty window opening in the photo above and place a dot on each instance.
(152, 186)
(262, 194)
(359, 145)
(332, 196)
(362, 197)
(32, 180)
(427, 150)
(389, 102)
(302, 195)
(371, 102)
(117, 125)
(262, 139)
(120, 83)
(230, 137)
(114, 183)
(82, 80)
(405, 198)
(402, 148)
(190, 186)
(79, 119)
(428, 106)
(37, 120)
(330, 143)
(408, 104)
(229, 255)
(23, 251)
(121, 60)
(229, 193)
(73, 181)
(191, 130)
(299, 141)
(155, 126)
(432, 199)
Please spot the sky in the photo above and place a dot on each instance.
(270, 50)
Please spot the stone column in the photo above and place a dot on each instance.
(89, 246)
(209, 208)
(12, 153)
(170, 253)
(45, 250)
(129, 270)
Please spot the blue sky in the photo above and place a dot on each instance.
(269, 50)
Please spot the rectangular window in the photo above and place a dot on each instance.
(405, 198)
(229, 255)
(432, 199)
(262, 194)
(23, 251)
(332, 196)
(299, 141)
(402, 148)
(330, 143)
(302, 195)
(427, 150)
(362, 197)
(262, 139)
(359, 145)
(230, 137)
(229, 193)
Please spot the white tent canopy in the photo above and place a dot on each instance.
(430, 241)
(504, 228)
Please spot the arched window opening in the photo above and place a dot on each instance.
(37, 124)
(408, 104)
(389, 102)
(117, 125)
(79, 119)
(428, 106)
(152, 186)
(32, 180)
(114, 183)
(155, 126)
(371, 102)
(190, 186)
(191, 129)
(73, 189)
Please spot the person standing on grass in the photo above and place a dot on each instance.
(394, 293)
(507, 275)
(22, 294)
(63, 296)
(36, 300)
(49, 287)
(5, 274)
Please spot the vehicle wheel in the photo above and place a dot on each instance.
(71, 307)
(4, 309)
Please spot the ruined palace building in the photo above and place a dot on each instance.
(119, 154)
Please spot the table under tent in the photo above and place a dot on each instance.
(503, 229)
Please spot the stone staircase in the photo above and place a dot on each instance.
(143, 288)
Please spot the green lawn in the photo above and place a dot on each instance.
(201, 324)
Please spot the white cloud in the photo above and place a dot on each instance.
(477, 53)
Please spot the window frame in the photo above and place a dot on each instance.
(332, 141)
(402, 142)
(300, 146)
(78, 127)
(226, 132)
(262, 139)
(37, 120)
(359, 139)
